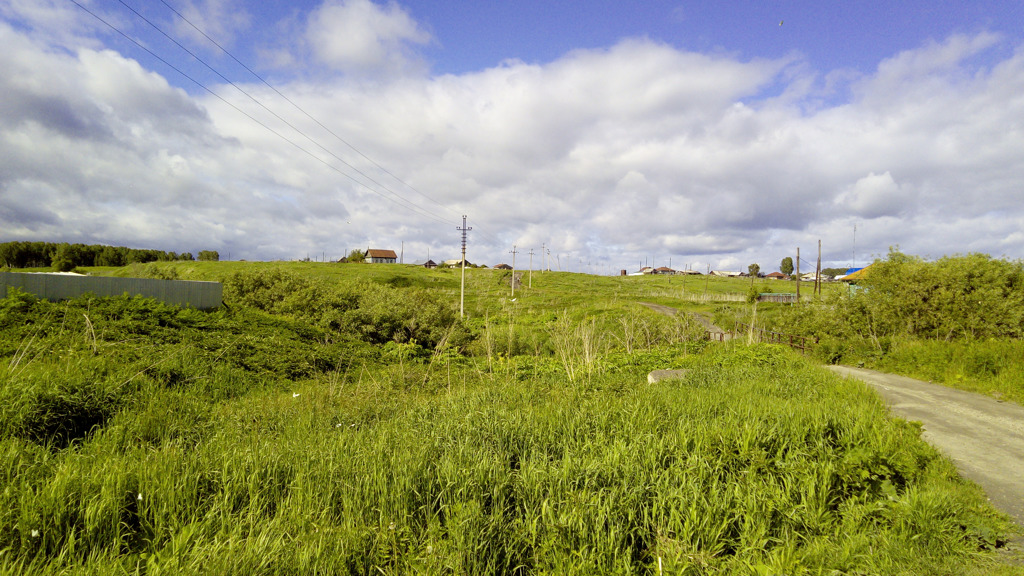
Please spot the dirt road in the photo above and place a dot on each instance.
(982, 436)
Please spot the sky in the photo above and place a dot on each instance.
(598, 135)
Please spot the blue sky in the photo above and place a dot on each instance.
(830, 35)
(611, 133)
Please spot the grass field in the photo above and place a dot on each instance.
(282, 435)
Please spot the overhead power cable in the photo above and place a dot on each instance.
(297, 107)
(249, 116)
(401, 200)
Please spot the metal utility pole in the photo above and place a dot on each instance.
(513, 252)
(462, 293)
(531, 267)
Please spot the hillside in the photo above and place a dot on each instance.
(343, 419)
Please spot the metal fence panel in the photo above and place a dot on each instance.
(201, 295)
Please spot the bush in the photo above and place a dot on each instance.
(376, 313)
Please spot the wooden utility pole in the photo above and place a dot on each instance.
(513, 253)
(462, 293)
(817, 272)
(531, 267)
(798, 275)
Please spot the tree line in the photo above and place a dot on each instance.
(63, 256)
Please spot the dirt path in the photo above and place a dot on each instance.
(982, 436)
(716, 333)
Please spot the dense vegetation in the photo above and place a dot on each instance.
(343, 419)
(957, 320)
(64, 257)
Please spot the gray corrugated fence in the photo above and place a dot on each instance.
(201, 295)
(783, 297)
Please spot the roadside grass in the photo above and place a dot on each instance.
(758, 462)
(993, 367)
(139, 438)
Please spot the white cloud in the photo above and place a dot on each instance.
(636, 150)
(57, 22)
(874, 196)
(221, 20)
(359, 35)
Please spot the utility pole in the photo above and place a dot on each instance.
(543, 257)
(798, 275)
(817, 272)
(462, 293)
(401, 259)
(531, 267)
(853, 263)
(513, 252)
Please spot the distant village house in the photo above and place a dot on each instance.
(376, 256)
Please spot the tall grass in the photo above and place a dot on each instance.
(155, 440)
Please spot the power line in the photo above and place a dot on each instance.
(396, 199)
(256, 75)
(299, 108)
(261, 105)
(249, 116)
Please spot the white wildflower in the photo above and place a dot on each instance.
(35, 533)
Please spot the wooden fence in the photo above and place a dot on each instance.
(801, 343)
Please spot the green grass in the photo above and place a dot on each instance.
(139, 438)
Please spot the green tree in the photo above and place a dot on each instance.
(786, 267)
(356, 256)
(64, 258)
(209, 255)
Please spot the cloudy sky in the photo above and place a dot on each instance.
(608, 133)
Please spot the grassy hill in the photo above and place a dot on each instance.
(342, 419)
